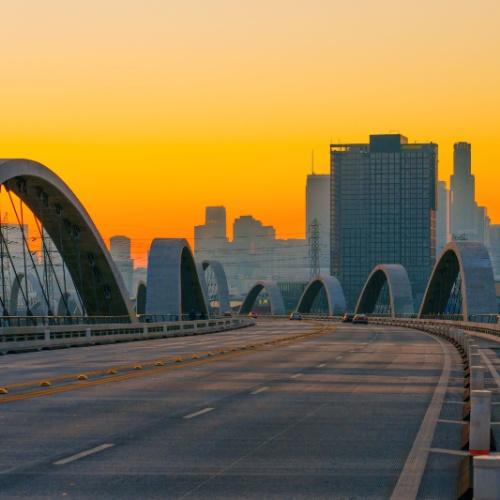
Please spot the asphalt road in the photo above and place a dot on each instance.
(357, 411)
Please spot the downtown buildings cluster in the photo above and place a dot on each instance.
(381, 203)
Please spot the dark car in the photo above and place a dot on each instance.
(360, 319)
(347, 318)
(296, 315)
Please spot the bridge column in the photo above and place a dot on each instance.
(487, 477)
(477, 378)
(480, 422)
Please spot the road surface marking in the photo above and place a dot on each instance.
(490, 366)
(339, 357)
(257, 391)
(297, 375)
(450, 452)
(322, 365)
(413, 470)
(446, 421)
(198, 413)
(83, 454)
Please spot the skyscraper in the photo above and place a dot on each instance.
(120, 253)
(383, 210)
(318, 208)
(211, 237)
(464, 216)
(443, 233)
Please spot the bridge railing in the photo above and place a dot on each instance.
(36, 337)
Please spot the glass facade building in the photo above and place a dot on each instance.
(383, 210)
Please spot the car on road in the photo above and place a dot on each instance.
(347, 318)
(360, 319)
(296, 315)
(253, 315)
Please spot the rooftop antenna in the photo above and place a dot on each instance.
(312, 162)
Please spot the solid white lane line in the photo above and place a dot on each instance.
(322, 365)
(492, 369)
(198, 413)
(257, 391)
(297, 375)
(411, 476)
(83, 454)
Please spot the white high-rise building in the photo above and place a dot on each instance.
(443, 230)
(318, 209)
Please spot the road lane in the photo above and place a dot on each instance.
(344, 429)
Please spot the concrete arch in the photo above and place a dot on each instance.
(174, 287)
(140, 298)
(334, 294)
(275, 298)
(400, 292)
(74, 234)
(470, 260)
(15, 290)
(221, 282)
(67, 303)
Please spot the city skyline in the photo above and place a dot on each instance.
(186, 96)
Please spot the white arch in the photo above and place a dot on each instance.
(174, 287)
(471, 260)
(334, 294)
(400, 293)
(70, 227)
(275, 298)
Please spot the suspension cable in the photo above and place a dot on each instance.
(25, 247)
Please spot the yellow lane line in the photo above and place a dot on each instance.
(144, 373)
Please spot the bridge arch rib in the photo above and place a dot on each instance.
(174, 287)
(275, 298)
(220, 281)
(72, 231)
(334, 295)
(463, 268)
(399, 290)
(140, 297)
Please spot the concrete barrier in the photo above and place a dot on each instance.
(480, 422)
(19, 339)
(477, 378)
(487, 477)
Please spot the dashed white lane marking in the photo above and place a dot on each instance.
(322, 365)
(447, 421)
(339, 357)
(296, 375)
(83, 454)
(459, 453)
(257, 391)
(198, 413)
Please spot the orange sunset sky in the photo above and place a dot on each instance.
(150, 110)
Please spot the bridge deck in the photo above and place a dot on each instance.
(350, 412)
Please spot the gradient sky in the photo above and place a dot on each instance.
(150, 110)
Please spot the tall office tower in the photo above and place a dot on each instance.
(210, 238)
(494, 249)
(464, 216)
(119, 247)
(318, 208)
(383, 210)
(250, 234)
(443, 233)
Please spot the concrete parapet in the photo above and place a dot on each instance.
(480, 422)
(477, 378)
(487, 477)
